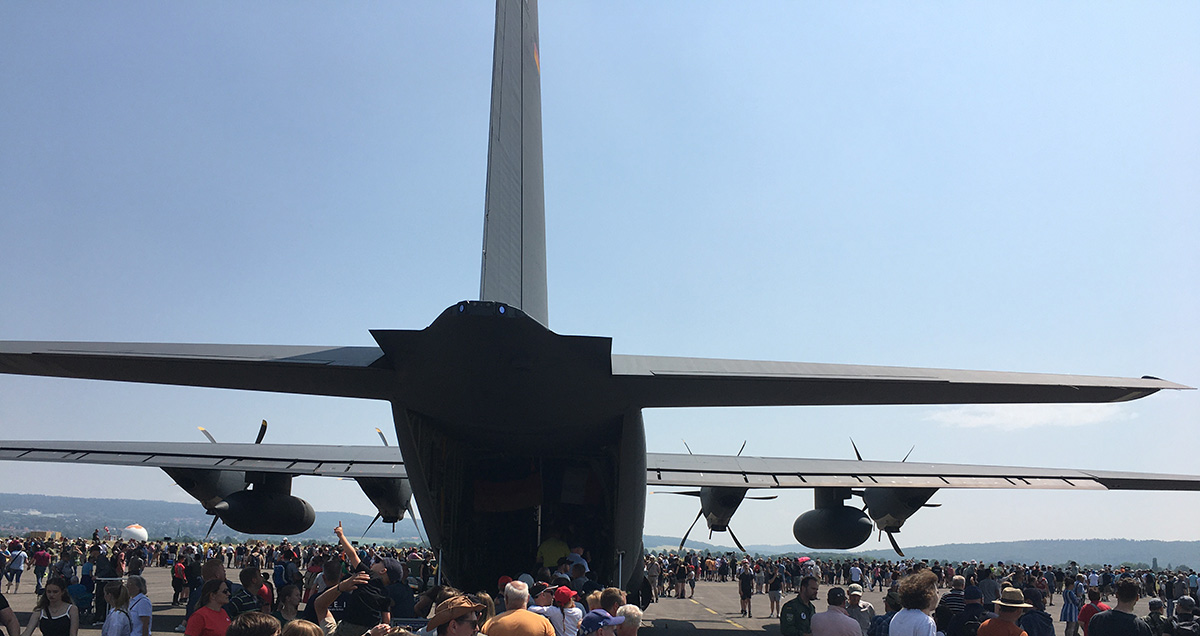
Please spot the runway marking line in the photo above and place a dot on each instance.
(735, 624)
(710, 610)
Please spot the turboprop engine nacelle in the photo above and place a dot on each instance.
(265, 512)
(830, 525)
(891, 507)
(391, 496)
(835, 528)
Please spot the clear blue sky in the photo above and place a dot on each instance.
(1007, 187)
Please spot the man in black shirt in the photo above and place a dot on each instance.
(369, 605)
(1120, 621)
(973, 615)
(745, 577)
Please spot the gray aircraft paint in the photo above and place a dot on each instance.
(514, 227)
(486, 392)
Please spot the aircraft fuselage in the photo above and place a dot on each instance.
(508, 428)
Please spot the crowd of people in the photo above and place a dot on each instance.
(340, 589)
(981, 600)
(337, 589)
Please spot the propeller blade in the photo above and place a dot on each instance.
(690, 493)
(764, 497)
(931, 505)
(689, 530)
(207, 434)
(856, 453)
(377, 518)
(908, 453)
(381, 436)
(412, 514)
(735, 539)
(689, 448)
(211, 526)
(895, 546)
(262, 432)
(739, 454)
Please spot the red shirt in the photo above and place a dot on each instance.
(997, 627)
(207, 622)
(1088, 611)
(264, 593)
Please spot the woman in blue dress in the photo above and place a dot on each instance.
(1073, 596)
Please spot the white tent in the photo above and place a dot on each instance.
(135, 532)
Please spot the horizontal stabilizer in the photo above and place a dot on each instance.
(655, 381)
(359, 372)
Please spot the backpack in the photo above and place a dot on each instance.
(971, 627)
(1185, 628)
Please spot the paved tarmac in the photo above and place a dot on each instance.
(714, 609)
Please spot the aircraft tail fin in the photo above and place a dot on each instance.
(514, 232)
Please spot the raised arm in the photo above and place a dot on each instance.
(347, 549)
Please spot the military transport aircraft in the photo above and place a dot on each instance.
(504, 426)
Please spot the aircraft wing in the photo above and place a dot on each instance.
(292, 459)
(359, 372)
(654, 381)
(674, 469)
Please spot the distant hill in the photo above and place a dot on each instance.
(77, 517)
(1083, 551)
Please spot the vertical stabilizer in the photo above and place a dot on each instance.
(514, 227)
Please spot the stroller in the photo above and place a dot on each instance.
(83, 597)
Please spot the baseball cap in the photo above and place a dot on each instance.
(972, 593)
(855, 588)
(395, 571)
(564, 594)
(538, 588)
(596, 619)
(1185, 604)
(836, 596)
